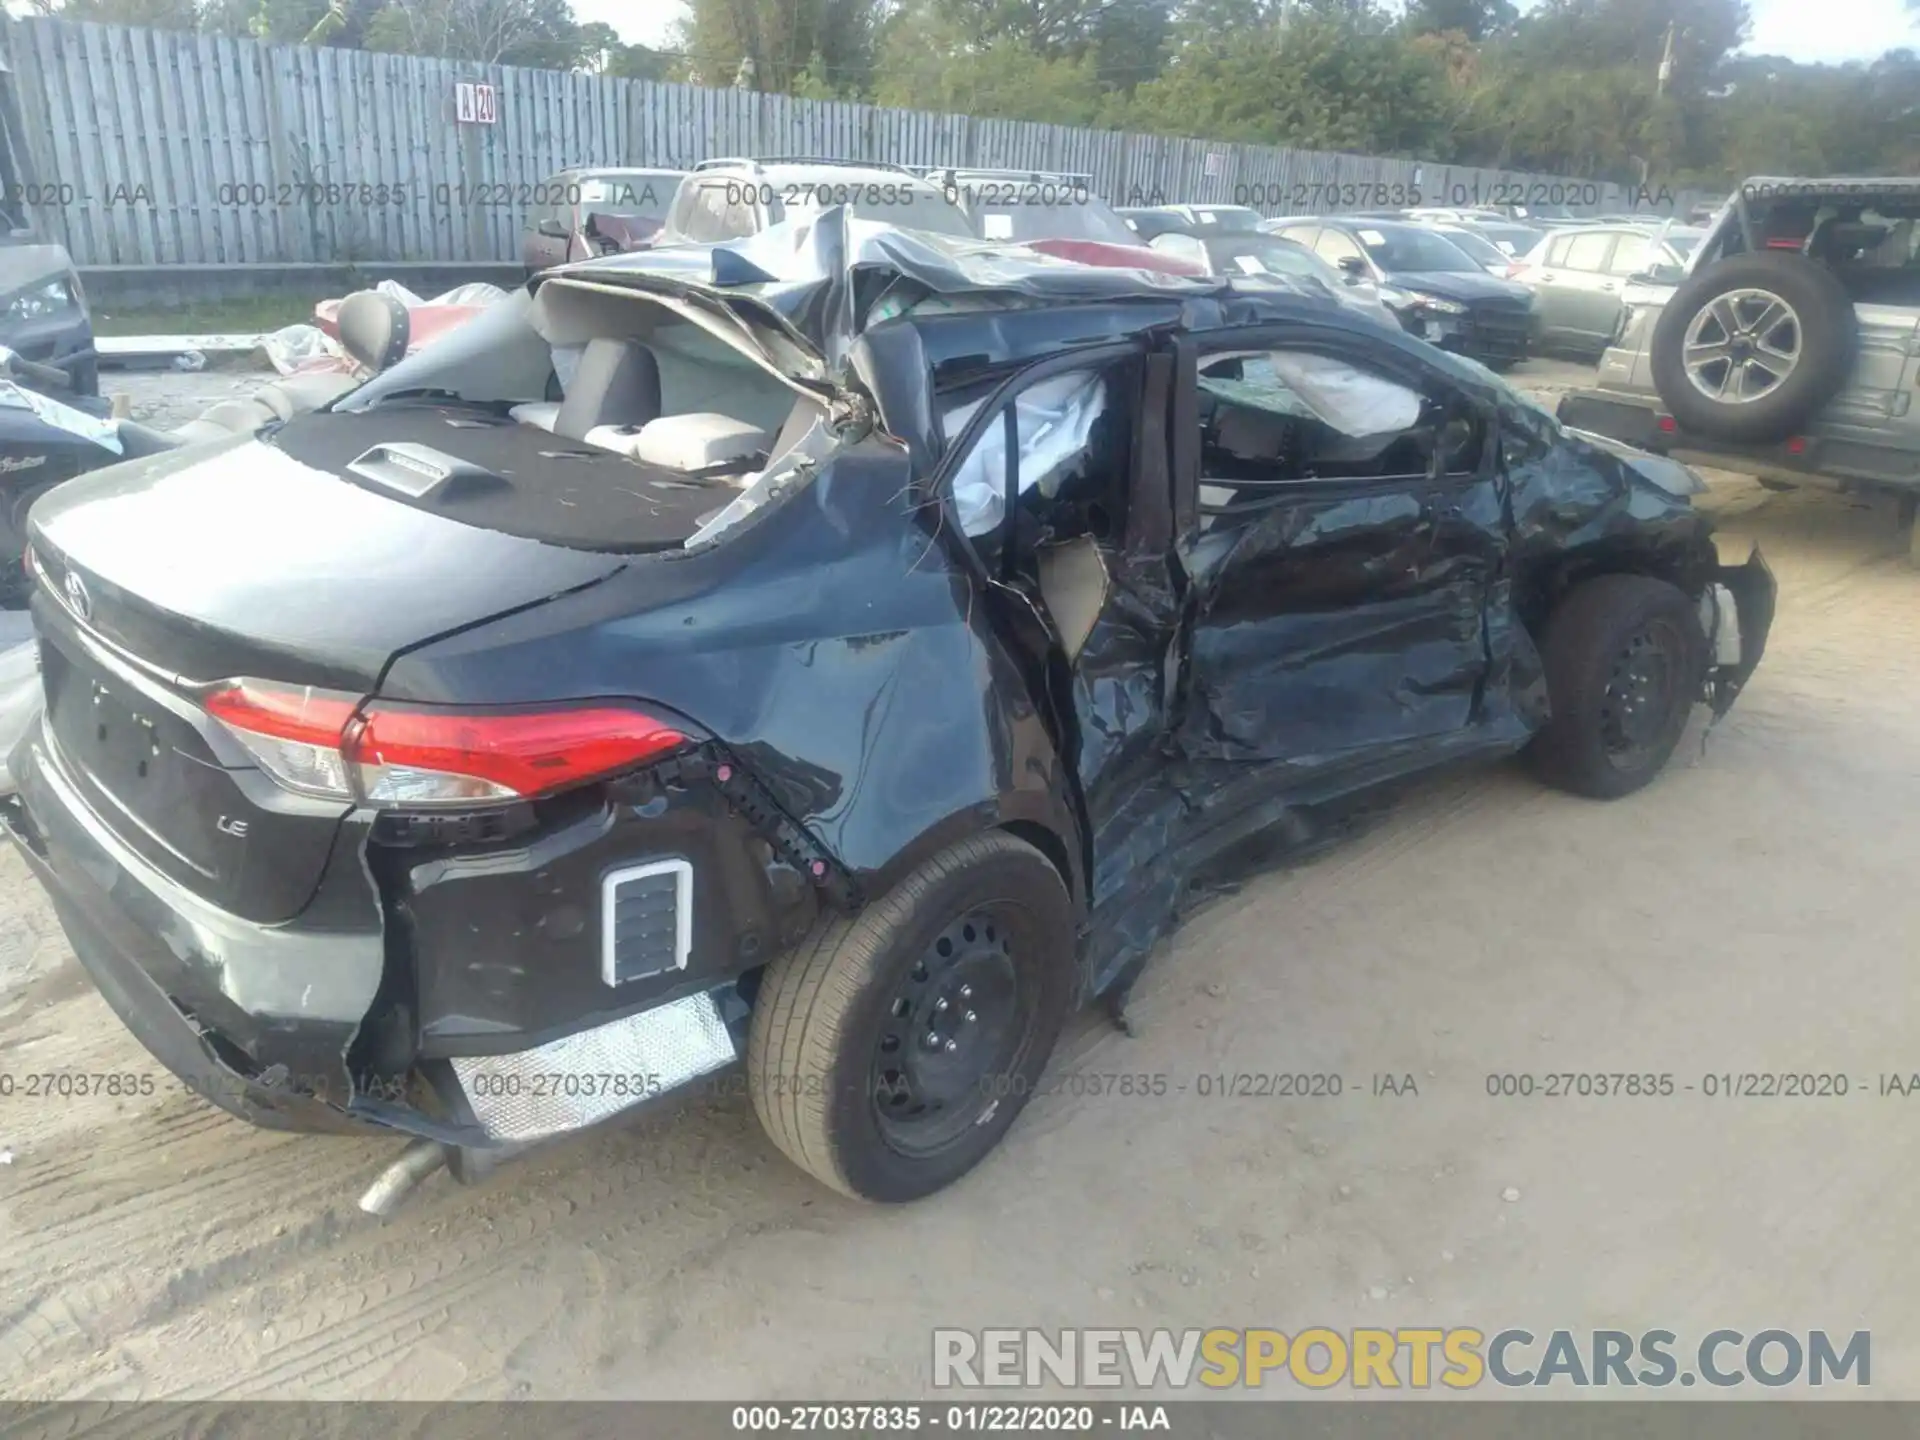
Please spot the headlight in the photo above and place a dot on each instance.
(1403, 299)
(40, 302)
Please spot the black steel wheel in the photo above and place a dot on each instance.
(1626, 661)
(1642, 682)
(891, 1050)
(956, 1022)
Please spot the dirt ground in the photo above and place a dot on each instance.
(1754, 911)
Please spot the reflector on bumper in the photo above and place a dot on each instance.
(585, 1078)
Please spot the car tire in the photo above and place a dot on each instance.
(1625, 663)
(1726, 303)
(846, 1024)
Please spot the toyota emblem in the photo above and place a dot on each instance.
(77, 597)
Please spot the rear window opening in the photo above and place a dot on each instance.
(579, 416)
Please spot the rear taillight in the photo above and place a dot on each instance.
(294, 732)
(333, 745)
(422, 756)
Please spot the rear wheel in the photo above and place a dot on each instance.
(891, 1051)
(1625, 661)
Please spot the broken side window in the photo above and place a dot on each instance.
(1281, 417)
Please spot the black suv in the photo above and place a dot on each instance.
(851, 670)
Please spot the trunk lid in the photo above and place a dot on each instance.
(240, 559)
(161, 575)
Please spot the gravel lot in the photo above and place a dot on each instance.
(1754, 911)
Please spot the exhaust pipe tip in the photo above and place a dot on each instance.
(400, 1179)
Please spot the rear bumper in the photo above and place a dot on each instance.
(262, 1020)
(1813, 459)
(191, 982)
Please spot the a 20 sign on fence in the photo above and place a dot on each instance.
(475, 104)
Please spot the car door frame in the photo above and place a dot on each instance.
(1394, 357)
(1140, 566)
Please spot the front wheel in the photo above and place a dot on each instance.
(1625, 660)
(891, 1051)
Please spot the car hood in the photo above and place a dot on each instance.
(23, 265)
(1465, 285)
(801, 292)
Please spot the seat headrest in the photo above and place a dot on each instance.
(617, 382)
(374, 328)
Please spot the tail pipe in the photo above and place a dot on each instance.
(414, 1164)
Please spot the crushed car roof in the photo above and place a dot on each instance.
(823, 279)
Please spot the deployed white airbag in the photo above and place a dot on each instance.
(1054, 418)
(684, 442)
(1349, 399)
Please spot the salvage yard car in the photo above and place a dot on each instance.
(1255, 253)
(1580, 274)
(1439, 291)
(845, 649)
(578, 214)
(731, 197)
(1788, 350)
(1055, 214)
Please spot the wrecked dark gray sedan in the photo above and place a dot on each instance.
(843, 650)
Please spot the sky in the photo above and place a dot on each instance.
(1810, 30)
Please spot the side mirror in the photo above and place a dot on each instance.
(1658, 275)
(1353, 265)
(374, 329)
(551, 228)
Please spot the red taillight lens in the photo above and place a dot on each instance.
(416, 756)
(321, 743)
(283, 712)
(292, 730)
(1667, 425)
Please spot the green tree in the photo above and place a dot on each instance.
(538, 33)
(832, 40)
(638, 62)
(1475, 19)
(1129, 41)
(1316, 83)
(930, 58)
(158, 14)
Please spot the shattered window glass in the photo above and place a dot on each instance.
(1054, 419)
